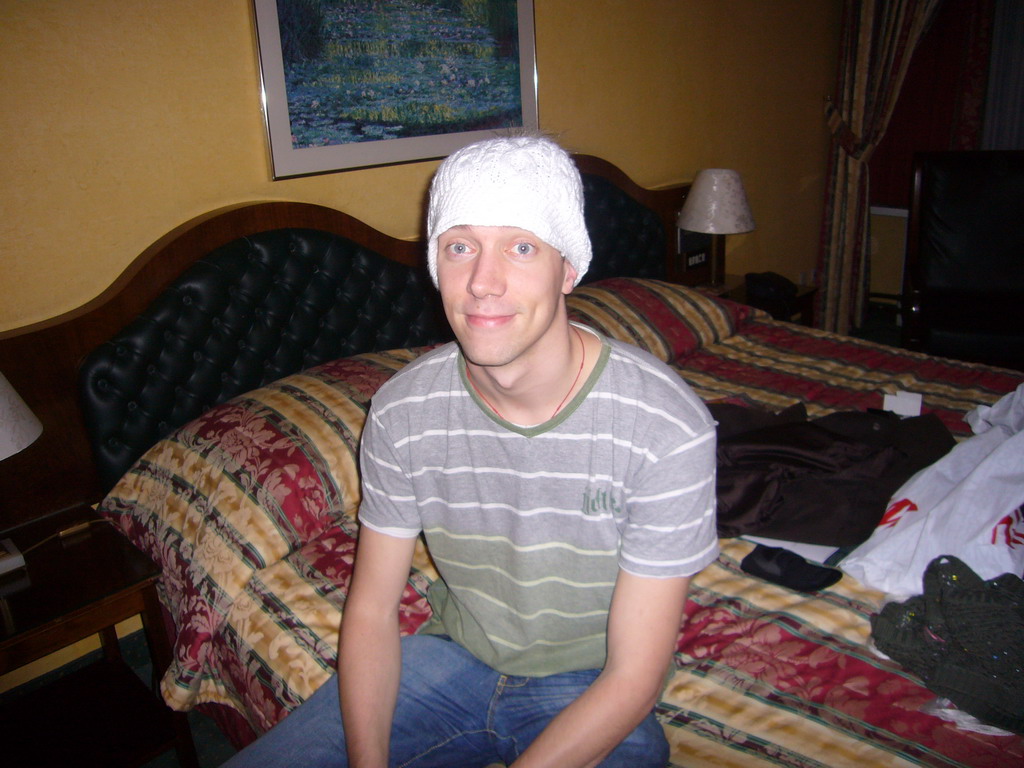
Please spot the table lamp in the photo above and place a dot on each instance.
(19, 427)
(716, 205)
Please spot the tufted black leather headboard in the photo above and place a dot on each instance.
(274, 302)
(252, 311)
(627, 238)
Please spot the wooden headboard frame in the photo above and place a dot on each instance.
(41, 361)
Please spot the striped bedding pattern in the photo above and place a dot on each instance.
(730, 352)
(251, 512)
(769, 676)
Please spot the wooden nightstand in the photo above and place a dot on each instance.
(72, 588)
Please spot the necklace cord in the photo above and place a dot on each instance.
(583, 362)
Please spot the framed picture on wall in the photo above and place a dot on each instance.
(355, 83)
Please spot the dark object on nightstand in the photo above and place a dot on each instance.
(79, 585)
(771, 292)
(964, 271)
(780, 297)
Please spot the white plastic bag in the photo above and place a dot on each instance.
(968, 504)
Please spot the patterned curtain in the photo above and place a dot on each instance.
(1004, 118)
(878, 39)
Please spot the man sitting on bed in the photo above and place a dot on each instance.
(564, 484)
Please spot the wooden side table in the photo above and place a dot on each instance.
(74, 587)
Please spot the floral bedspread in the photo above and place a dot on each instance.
(251, 512)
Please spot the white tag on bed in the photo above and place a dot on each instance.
(903, 403)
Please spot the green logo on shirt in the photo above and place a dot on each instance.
(596, 502)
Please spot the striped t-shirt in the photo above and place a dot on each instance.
(529, 526)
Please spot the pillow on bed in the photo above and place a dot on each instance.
(255, 478)
(666, 319)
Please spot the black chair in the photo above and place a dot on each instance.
(963, 292)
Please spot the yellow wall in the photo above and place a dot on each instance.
(122, 119)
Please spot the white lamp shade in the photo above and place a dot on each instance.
(19, 427)
(717, 204)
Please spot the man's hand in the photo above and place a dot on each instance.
(369, 652)
(643, 626)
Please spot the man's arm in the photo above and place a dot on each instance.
(643, 625)
(369, 652)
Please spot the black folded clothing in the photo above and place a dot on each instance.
(964, 637)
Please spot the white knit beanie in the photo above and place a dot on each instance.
(526, 182)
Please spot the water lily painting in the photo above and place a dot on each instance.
(355, 83)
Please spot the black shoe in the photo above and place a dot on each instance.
(788, 569)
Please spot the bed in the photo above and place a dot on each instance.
(223, 386)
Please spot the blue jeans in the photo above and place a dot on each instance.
(453, 711)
